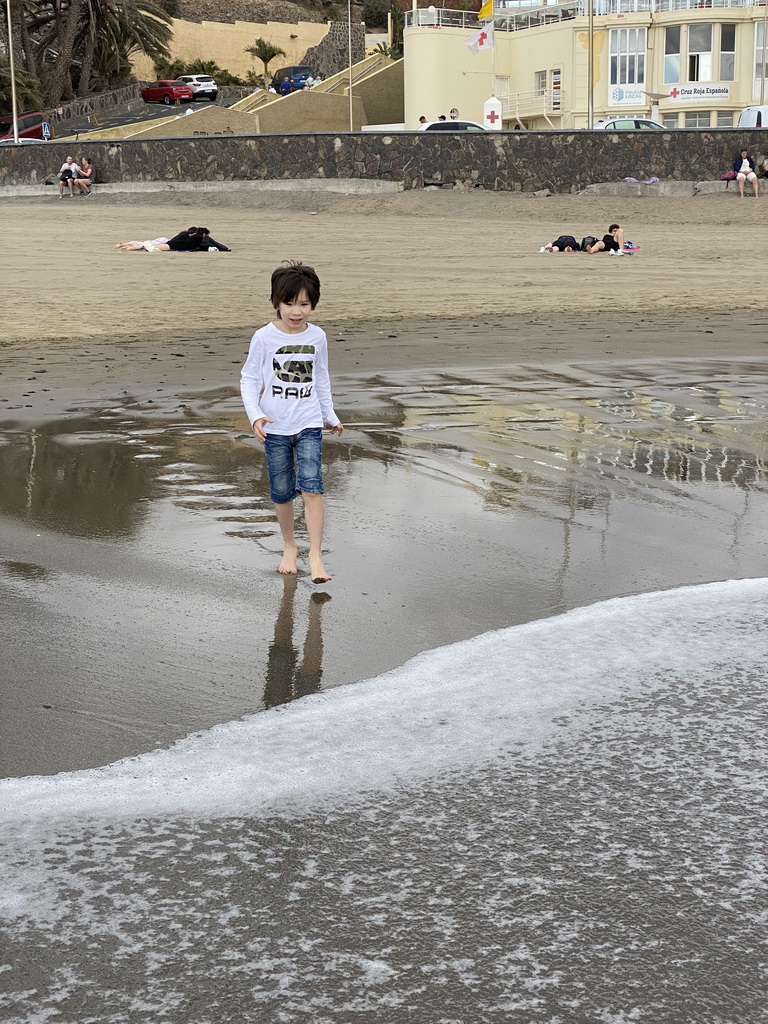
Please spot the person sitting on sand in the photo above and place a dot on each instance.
(563, 243)
(612, 242)
(86, 176)
(744, 166)
(67, 174)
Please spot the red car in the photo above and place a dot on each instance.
(167, 92)
(30, 125)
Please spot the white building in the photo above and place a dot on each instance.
(689, 63)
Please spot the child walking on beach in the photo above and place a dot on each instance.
(286, 392)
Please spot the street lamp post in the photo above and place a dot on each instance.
(14, 105)
(591, 65)
(349, 58)
(763, 52)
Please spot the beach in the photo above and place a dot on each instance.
(536, 447)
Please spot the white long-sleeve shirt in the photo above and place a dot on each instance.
(285, 378)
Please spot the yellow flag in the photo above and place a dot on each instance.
(486, 11)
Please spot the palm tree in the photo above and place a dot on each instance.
(265, 52)
(59, 37)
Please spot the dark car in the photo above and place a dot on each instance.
(452, 126)
(296, 74)
(30, 126)
(167, 92)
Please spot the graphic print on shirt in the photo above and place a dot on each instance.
(291, 370)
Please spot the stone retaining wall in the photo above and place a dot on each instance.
(513, 161)
(124, 97)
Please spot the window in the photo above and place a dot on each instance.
(672, 53)
(670, 120)
(761, 57)
(727, 53)
(627, 56)
(540, 82)
(699, 119)
(556, 84)
(699, 53)
(724, 119)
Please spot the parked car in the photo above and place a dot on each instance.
(296, 74)
(753, 117)
(452, 126)
(30, 125)
(167, 92)
(22, 142)
(203, 86)
(631, 124)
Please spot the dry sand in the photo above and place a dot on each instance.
(414, 256)
(434, 278)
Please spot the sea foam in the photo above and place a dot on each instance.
(458, 706)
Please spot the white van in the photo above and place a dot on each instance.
(753, 117)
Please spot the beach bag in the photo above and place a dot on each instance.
(587, 240)
(728, 176)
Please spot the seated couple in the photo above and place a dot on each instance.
(194, 239)
(611, 242)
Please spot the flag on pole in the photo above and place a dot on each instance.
(486, 11)
(481, 40)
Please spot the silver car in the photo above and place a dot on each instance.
(630, 124)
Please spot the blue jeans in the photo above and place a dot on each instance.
(294, 464)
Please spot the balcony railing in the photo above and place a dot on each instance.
(540, 103)
(513, 15)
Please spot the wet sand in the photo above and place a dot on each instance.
(479, 381)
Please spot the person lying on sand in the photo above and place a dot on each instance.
(563, 243)
(193, 239)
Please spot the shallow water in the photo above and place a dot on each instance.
(137, 582)
(562, 822)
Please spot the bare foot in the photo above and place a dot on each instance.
(317, 570)
(287, 566)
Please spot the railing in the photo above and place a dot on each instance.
(513, 15)
(340, 81)
(533, 104)
(439, 17)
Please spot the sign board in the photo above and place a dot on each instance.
(46, 129)
(701, 92)
(492, 114)
(629, 96)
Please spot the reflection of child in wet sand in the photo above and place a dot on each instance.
(287, 678)
(285, 384)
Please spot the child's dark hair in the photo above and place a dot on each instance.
(613, 227)
(289, 281)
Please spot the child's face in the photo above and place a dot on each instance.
(293, 315)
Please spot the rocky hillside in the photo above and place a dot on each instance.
(252, 10)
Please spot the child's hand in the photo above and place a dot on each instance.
(258, 427)
(338, 429)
